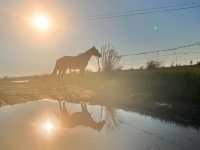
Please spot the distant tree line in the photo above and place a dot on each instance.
(110, 60)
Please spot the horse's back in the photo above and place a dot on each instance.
(72, 62)
(81, 118)
(64, 58)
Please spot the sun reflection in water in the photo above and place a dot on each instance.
(48, 126)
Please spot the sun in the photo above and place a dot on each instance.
(41, 22)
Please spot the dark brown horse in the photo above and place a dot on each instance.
(75, 62)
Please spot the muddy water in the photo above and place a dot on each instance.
(36, 126)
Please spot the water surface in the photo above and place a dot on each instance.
(35, 126)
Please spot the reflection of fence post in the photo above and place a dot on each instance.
(99, 68)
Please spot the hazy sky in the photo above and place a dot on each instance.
(25, 51)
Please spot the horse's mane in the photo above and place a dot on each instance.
(84, 53)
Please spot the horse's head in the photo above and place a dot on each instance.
(95, 52)
(100, 125)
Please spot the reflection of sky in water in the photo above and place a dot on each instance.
(19, 130)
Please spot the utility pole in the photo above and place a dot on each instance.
(157, 54)
(176, 58)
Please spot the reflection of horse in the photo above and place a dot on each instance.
(83, 118)
(75, 62)
(111, 118)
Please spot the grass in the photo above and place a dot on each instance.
(167, 84)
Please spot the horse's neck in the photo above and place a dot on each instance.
(87, 55)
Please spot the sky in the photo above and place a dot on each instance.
(26, 51)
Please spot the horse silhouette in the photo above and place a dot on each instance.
(82, 118)
(75, 62)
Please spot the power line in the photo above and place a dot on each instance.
(147, 11)
(171, 49)
(162, 50)
(185, 53)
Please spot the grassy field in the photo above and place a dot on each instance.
(169, 84)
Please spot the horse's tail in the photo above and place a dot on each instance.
(55, 69)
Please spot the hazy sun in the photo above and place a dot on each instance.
(41, 22)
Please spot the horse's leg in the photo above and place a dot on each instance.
(61, 72)
(58, 72)
(82, 107)
(60, 105)
(67, 71)
(64, 72)
(85, 107)
(65, 111)
(82, 71)
(70, 70)
(55, 69)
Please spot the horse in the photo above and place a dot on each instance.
(83, 118)
(75, 62)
